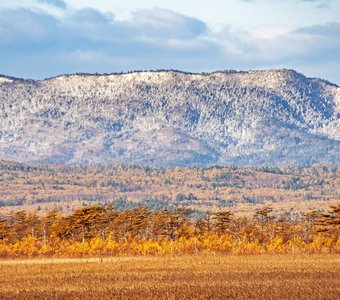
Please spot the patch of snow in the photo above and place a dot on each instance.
(337, 100)
(4, 80)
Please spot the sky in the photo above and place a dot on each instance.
(45, 38)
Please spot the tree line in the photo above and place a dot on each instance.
(105, 231)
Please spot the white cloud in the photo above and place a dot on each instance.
(57, 3)
(38, 44)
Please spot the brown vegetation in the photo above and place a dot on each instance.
(184, 277)
(292, 190)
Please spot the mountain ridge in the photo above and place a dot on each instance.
(171, 118)
(231, 71)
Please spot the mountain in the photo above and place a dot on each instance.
(171, 118)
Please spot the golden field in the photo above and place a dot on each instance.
(174, 277)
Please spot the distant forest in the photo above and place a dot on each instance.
(290, 191)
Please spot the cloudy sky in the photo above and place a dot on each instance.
(44, 38)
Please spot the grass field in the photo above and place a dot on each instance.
(184, 277)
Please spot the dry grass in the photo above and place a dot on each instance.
(188, 277)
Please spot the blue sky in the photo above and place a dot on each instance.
(44, 38)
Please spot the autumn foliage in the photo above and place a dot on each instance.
(293, 190)
(105, 231)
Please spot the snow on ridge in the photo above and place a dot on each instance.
(273, 79)
(4, 80)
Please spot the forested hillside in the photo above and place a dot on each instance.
(171, 118)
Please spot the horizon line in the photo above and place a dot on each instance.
(96, 74)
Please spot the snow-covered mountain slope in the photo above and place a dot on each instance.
(170, 118)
